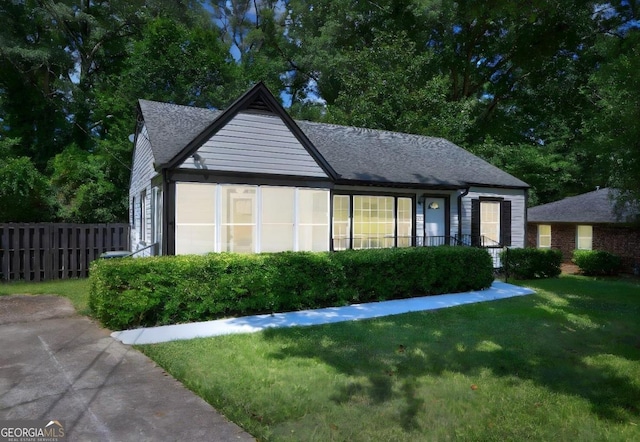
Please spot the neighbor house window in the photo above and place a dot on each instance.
(371, 222)
(544, 236)
(584, 238)
(490, 222)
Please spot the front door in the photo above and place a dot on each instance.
(435, 222)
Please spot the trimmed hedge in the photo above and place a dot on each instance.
(531, 263)
(128, 293)
(597, 262)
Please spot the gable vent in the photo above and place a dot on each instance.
(259, 105)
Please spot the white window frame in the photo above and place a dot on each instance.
(487, 226)
(584, 237)
(258, 211)
(544, 238)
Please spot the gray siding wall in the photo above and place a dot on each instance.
(256, 143)
(518, 210)
(141, 174)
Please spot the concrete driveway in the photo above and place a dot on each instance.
(56, 365)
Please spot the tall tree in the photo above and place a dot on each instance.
(613, 127)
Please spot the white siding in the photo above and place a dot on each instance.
(255, 143)
(518, 210)
(141, 174)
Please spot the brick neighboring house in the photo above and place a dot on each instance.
(587, 222)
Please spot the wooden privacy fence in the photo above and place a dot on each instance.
(40, 252)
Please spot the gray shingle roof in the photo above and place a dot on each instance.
(356, 154)
(171, 127)
(360, 154)
(589, 208)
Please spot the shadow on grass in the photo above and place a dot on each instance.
(568, 338)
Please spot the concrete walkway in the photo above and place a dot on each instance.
(56, 365)
(250, 324)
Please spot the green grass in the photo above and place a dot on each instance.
(77, 290)
(563, 364)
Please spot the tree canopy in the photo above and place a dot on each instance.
(544, 90)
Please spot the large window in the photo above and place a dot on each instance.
(490, 221)
(584, 238)
(544, 236)
(195, 218)
(341, 222)
(368, 222)
(248, 219)
(313, 220)
(373, 222)
(238, 224)
(278, 217)
(405, 222)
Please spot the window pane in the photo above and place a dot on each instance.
(405, 222)
(490, 221)
(313, 219)
(373, 222)
(341, 221)
(584, 240)
(277, 229)
(313, 238)
(195, 203)
(544, 236)
(238, 219)
(195, 218)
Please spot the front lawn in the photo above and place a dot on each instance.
(563, 364)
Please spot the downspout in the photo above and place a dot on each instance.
(165, 210)
(462, 195)
(422, 200)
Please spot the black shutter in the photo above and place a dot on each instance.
(505, 223)
(475, 223)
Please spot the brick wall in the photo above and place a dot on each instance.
(620, 240)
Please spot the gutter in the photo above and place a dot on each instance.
(464, 193)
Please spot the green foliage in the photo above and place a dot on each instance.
(597, 262)
(24, 191)
(378, 274)
(613, 132)
(532, 263)
(165, 290)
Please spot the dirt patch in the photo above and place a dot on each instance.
(570, 269)
(29, 308)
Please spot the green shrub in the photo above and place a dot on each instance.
(597, 262)
(127, 293)
(531, 263)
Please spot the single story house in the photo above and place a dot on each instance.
(251, 179)
(586, 222)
